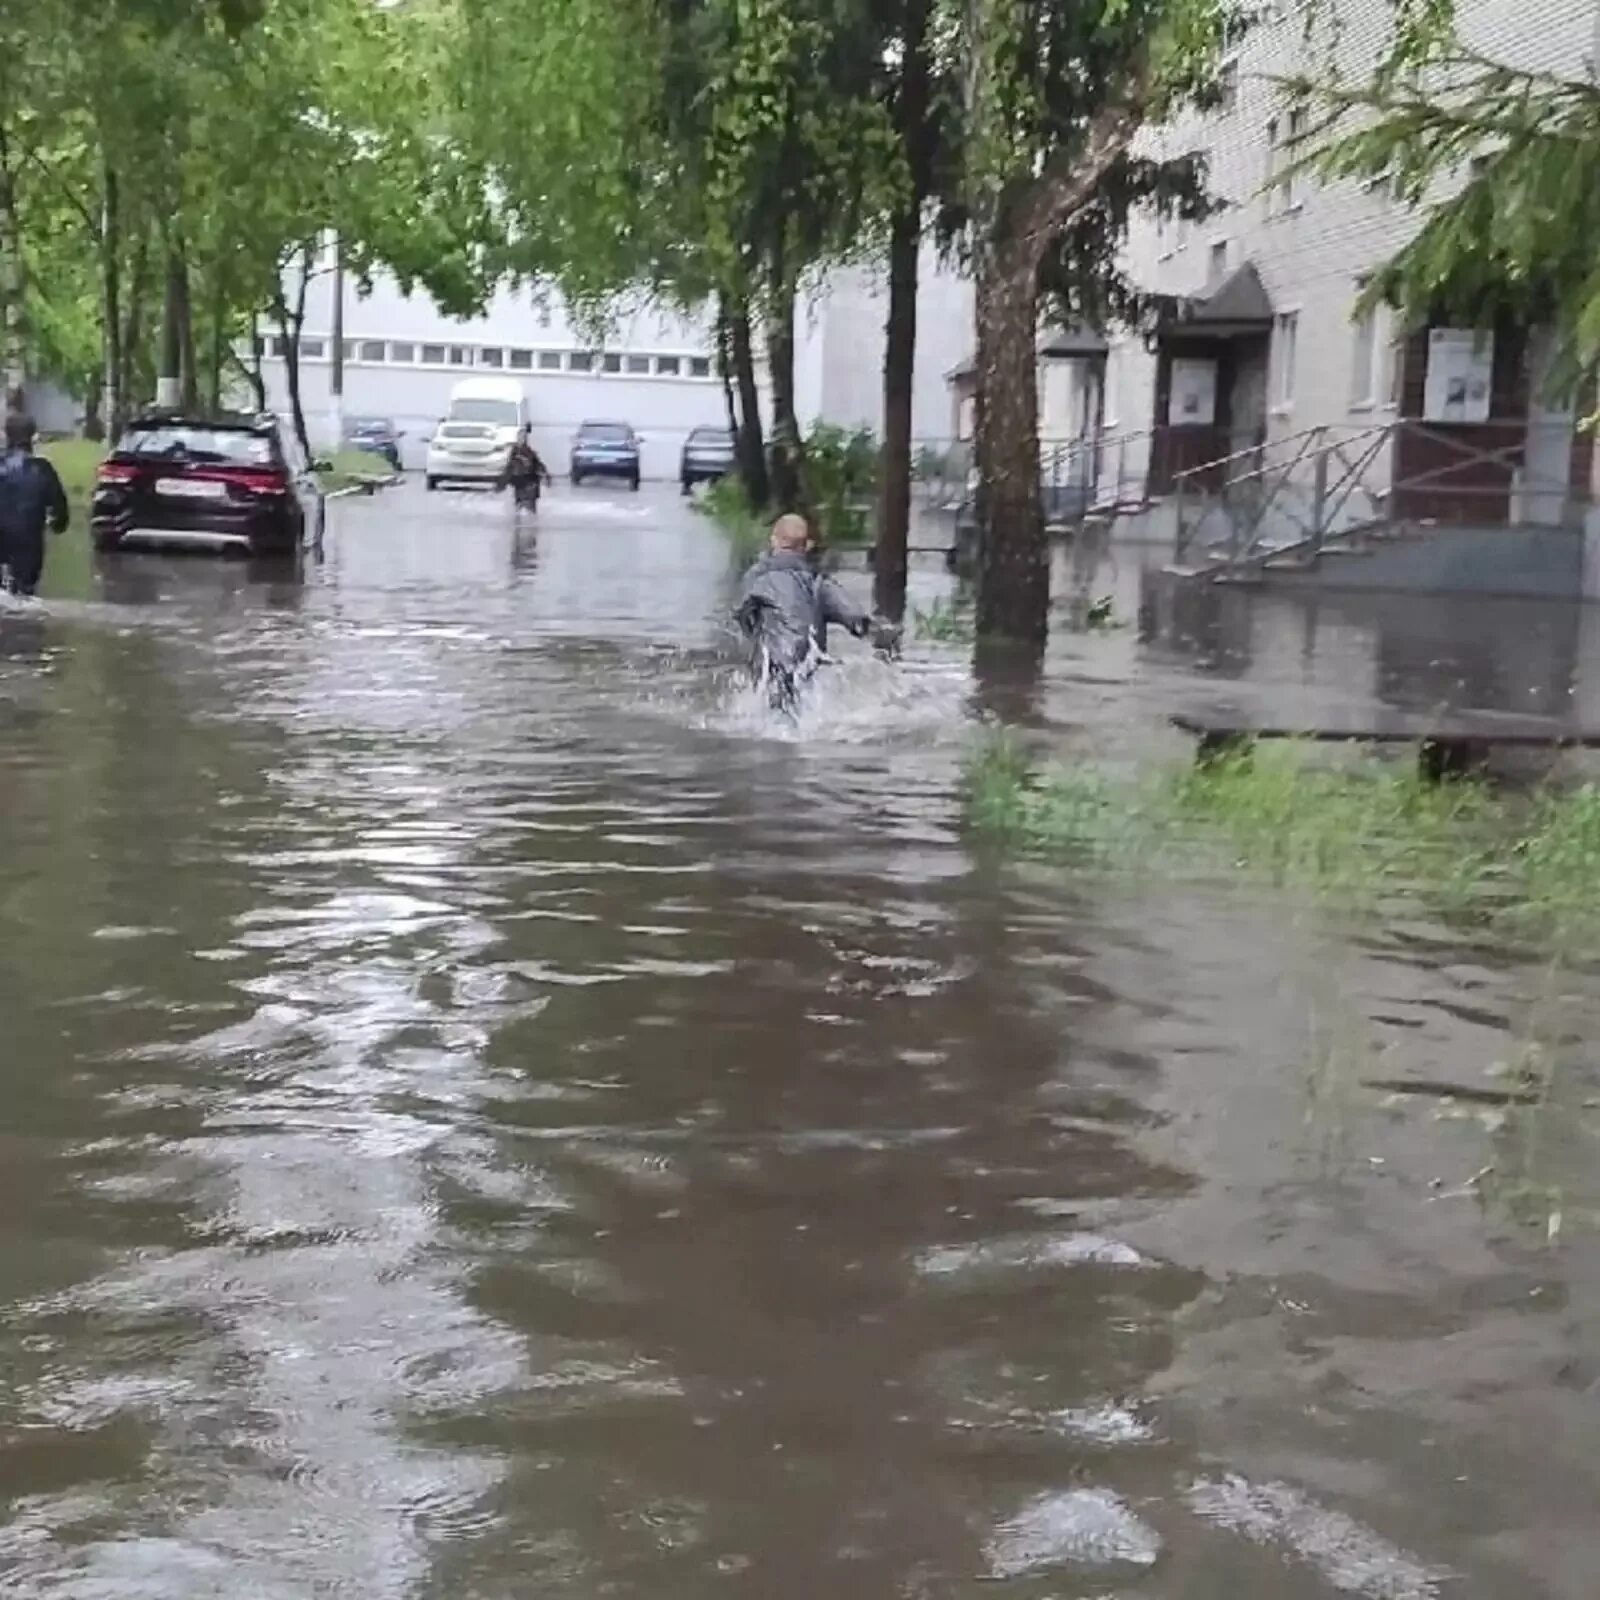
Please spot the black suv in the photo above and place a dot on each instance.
(214, 483)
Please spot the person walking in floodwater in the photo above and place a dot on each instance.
(785, 607)
(30, 496)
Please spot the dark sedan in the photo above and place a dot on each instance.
(707, 456)
(606, 450)
(377, 436)
(215, 483)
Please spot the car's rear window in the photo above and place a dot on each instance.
(711, 436)
(502, 413)
(177, 443)
(606, 433)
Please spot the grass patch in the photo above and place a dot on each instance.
(75, 460)
(1365, 836)
(347, 468)
(945, 622)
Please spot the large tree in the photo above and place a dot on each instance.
(1054, 95)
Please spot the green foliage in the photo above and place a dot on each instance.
(842, 474)
(944, 622)
(1516, 153)
(726, 503)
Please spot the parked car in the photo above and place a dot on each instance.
(217, 483)
(378, 436)
(606, 450)
(708, 454)
(472, 444)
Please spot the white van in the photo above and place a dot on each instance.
(473, 441)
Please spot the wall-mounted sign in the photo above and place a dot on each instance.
(1192, 402)
(1460, 375)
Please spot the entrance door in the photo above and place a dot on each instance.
(1247, 402)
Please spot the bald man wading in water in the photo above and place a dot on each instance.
(785, 608)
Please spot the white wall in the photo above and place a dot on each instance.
(515, 327)
(839, 363)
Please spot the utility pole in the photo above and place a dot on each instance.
(336, 380)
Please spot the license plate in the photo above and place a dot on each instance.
(191, 489)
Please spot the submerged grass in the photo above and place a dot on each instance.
(1374, 839)
(1363, 835)
(945, 622)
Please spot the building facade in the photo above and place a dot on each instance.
(1265, 343)
(652, 369)
(403, 356)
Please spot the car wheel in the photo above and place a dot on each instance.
(433, 483)
(633, 483)
(106, 538)
(577, 478)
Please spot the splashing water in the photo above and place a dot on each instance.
(853, 701)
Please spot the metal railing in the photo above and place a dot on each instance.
(1281, 495)
(1287, 498)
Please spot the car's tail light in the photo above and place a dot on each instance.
(116, 472)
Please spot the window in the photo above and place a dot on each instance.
(522, 360)
(580, 361)
(491, 356)
(433, 355)
(349, 348)
(1284, 149)
(668, 366)
(502, 413)
(549, 360)
(277, 346)
(459, 355)
(313, 349)
(370, 350)
(699, 366)
(1366, 380)
(1228, 84)
(1217, 265)
(638, 364)
(611, 362)
(1285, 338)
(402, 351)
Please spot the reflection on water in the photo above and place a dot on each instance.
(490, 1112)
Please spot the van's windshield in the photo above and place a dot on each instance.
(502, 413)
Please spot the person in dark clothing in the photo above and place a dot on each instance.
(525, 471)
(30, 496)
(785, 609)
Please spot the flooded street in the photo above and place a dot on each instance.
(489, 1115)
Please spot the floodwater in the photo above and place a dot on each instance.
(487, 1114)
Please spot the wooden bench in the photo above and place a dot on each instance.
(1449, 744)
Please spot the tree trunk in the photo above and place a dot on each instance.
(253, 373)
(133, 330)
(788, 452)
(13, 293)
(219, 349)
(890, 559)
(290, 324)
(188, 369)
(725, 369)
(111, 405)
(911, 120)
(751, 445)
(1014, 553)
(169, 376)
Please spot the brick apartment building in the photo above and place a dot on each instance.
(1265, 344)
